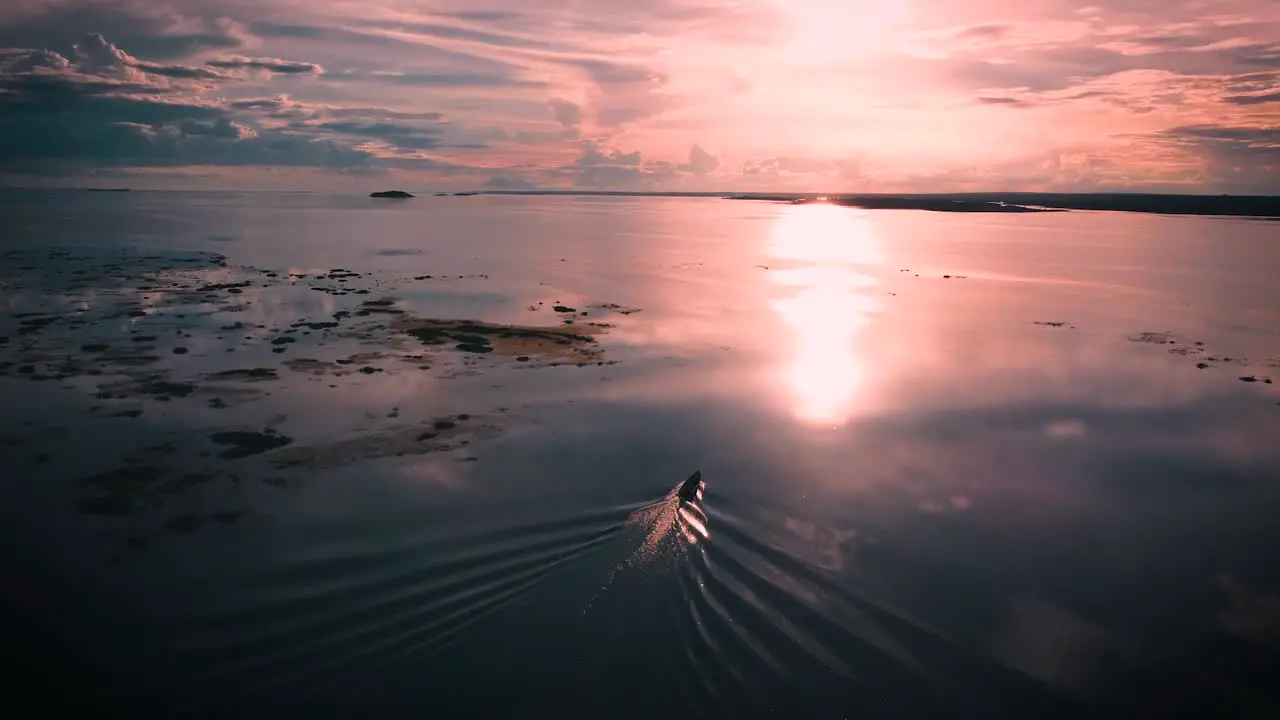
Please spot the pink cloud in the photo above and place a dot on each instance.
(916, 95)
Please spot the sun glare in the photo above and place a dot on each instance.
(834, 30)
(825, 302)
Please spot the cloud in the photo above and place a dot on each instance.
(154, 30)
(438, 30)
(598, 167)
(364, 55)
(433, 79)
(628, 93)
(284, 107)
(1249, 613)
(273, 104)
(274, 65)
(1145, 91)
(222, 127)
(1236, 159)
(94, 55)
(400, 136)
(989, 31)
(593, 156)
(20, 61)
(746, 22)
(1253, 99)
(789, 165)
(1012, 102)
(603, 72)
(346, 111)
(568, 114)
(103, 107)
(499, 182)
(183, 72)
(701, 162)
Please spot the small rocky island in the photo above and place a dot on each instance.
(390, 194)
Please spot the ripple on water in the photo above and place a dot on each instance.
(743, 617)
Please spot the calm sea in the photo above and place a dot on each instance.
(270, 453)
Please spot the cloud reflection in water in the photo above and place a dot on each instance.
(824, 250)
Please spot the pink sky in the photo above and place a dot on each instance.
(804, 95)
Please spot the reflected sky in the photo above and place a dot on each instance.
(825, 298)
(871, 430)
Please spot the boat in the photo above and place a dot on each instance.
(688, 492)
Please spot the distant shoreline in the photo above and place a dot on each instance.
(1211, 205)
(1256, 206)
(1260, 206)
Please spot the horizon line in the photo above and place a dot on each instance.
(760, 194)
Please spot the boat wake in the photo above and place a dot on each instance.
(669, 527)
(774, 609)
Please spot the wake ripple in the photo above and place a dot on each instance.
(751, 607)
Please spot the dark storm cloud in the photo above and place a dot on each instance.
(434, 79)
(1253, 99)
(222, 127)
(184, 72)
(1254, 82)
(1258, 54)
(272, 104)
(284, 67)
(375, 112)
(151, 30)
(283, 107)
(102, 107)
(21, 60)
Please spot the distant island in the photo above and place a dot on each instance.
(122, 189)
(390, 194)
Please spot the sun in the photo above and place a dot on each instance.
(825, 31)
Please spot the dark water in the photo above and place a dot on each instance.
(955, 465)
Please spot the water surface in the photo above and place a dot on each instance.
(1002, 465)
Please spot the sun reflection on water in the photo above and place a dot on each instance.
(822, 249)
